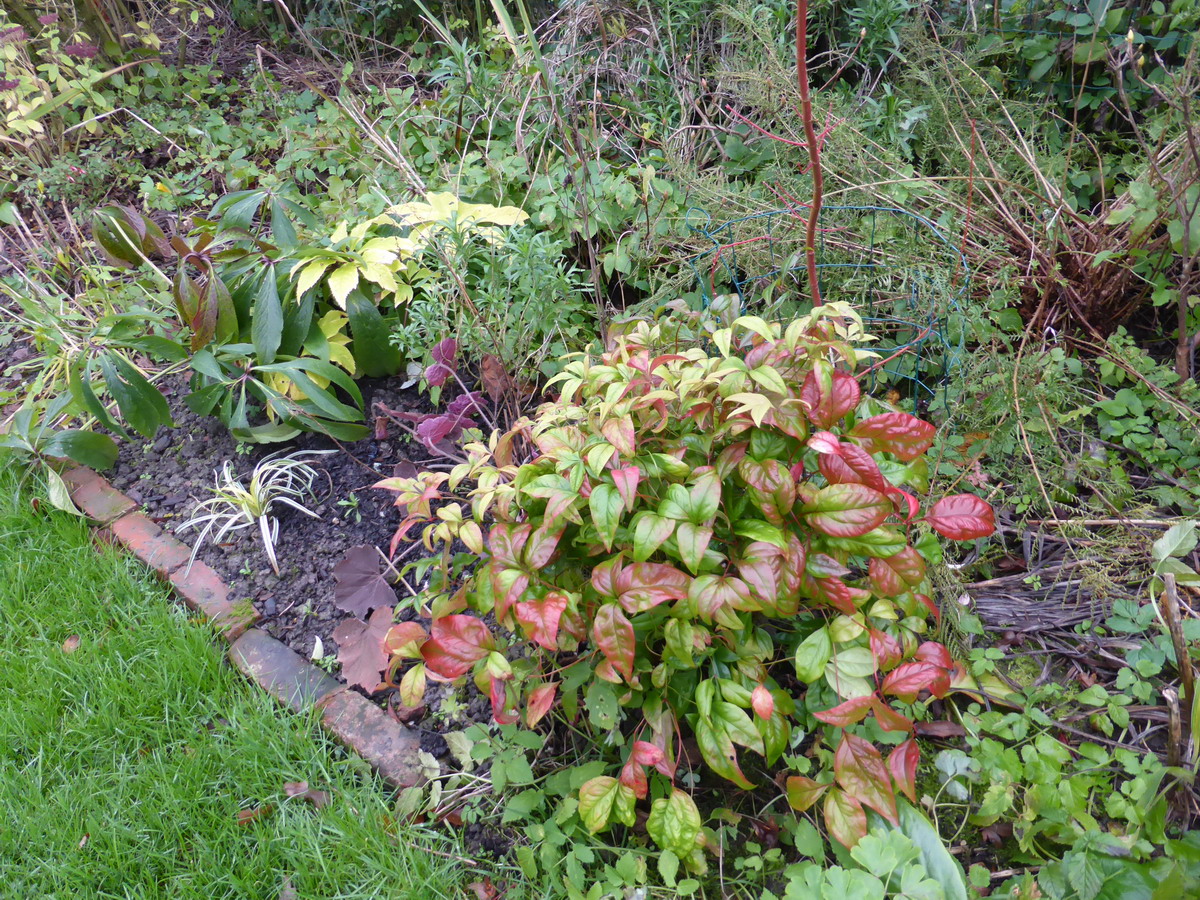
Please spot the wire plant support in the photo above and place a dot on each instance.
(897, 268)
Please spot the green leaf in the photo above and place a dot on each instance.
(737, 723)
(266, 328)
(97, 451)
(758, 530)
(674, 823)
(649, 532)
(603, 800)
(606, 506)
(374, 354)
(937, 860)
(693, 540)
(813, 655)
(58, 493)
(718, 751)
(1178, 541)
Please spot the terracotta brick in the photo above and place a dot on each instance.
(202, 589)
(375, 736)
(285, 675)
(149, 543)
(95, 496)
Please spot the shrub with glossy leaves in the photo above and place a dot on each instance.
(715, 547)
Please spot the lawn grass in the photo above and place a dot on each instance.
(124, 764)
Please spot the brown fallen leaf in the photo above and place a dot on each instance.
(495, 378)
(360, 648)
(301, 789)
(286, 891)
(83, 841)
(939, 729)
(71, 644)
(484, 890)
(246, 816)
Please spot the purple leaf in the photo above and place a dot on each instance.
(465, 404)
(444, 363)
(359, 584)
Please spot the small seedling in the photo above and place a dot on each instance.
(236, 506)
(350, 505)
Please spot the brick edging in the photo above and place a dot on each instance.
(360, 725)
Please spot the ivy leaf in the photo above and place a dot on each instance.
(613, 634)
(602, 800)
(803, 792)
(359, 585)
(674, 823)
(541, 617)
(962, 517)
(361, 649)
(845, 818)
(846, 510)
(860, 770)
(904, 436)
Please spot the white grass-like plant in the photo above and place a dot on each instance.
(236, 506)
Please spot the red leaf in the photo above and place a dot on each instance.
(644, 585)
(506, 543)
(896, 574)
(886, 649)
(929, 605)
(541, 698)
(613, 634)
(889, 719)
(300, 789)
(825, 443)
(907, 506)
(633, 774)
(541, 617)
(626, 480)
(860, 770)
(760, 568)
(846, 510)
(762, 702)
(902, 763)
(852, 465)
(933, 652)
(845, 818)
(905, 437)
(498, 693)
(833, 591)
(908, 680)
(829, 403)
(542, 544)
(633, 777)
(405, 639)
(361, 650)
(962, 517)
(457, 642)
(848, 713)
(647, 754)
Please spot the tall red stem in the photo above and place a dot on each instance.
(814, 148)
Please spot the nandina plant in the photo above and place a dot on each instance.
(722, 547)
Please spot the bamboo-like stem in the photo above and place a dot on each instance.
(814, 148)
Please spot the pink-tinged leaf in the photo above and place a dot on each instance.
(896, 574)
(502, 711)
(852, 465)
(542, 544)
(832, 591)
(466, 404)
(613, 634)
(860, 770)
(405, 640)
(647, 754)
(633, 777)
(929, 605)
(886, 650)
(771, 488)
(644, 585)
(825, 442)
(908, 680)
(933, 652)
(508, 587)
(693, 540)
(619, 432)
(626, 480)
(889, 719)
(650, 530)
(829, 402)
(762, 702)
(907, 506)
(457, 642)
(604, 576)
(962, 517)
(359, 582)
(904, 436)
(902, 763)
(506, 542)
(444, 362)
(846, 714)
(540, 618)
(541, 699)
(360, 648)
(719, 597)
(846, 510)
(803, 792)
(845, 818)
(761, 567)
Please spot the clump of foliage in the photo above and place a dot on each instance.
(718, 547)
